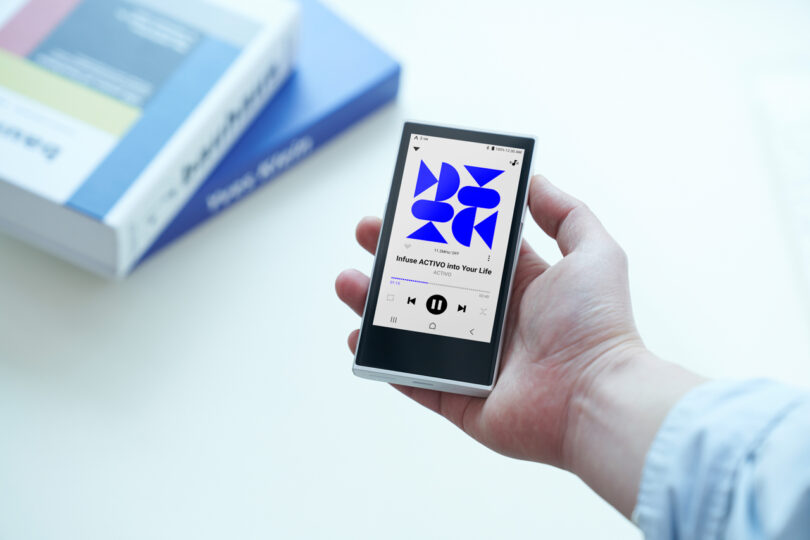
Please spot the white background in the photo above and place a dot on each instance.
(210, 394)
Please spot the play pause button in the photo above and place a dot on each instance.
(436, 304)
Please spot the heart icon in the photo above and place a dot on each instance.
(407, 246)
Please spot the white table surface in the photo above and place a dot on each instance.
(209, 395)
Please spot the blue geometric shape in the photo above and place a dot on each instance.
(478, 197)
(448, 182)
(427, 210)
(482, 175)
(425, 179)
(486, 229)
(428, 232)
(463, 226)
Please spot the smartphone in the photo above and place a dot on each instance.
(445, 259)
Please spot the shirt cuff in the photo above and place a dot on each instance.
(688, 475)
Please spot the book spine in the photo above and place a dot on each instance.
(221, 191)
(201, 143)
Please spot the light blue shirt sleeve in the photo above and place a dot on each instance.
(731, 461)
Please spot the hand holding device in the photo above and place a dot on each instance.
(567, 322)
(577, 387)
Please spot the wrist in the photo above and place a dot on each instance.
(615, 411)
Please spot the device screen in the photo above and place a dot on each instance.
(449, 238)
(437, 298)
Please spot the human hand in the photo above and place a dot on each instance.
(569, 327)
(565, 322)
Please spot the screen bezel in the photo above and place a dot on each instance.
(431, 355)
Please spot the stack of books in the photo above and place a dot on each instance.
(126, 123)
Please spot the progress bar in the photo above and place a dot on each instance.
(411, 280)
(441, 285)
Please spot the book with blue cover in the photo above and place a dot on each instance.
(113, 112)
(340, 78)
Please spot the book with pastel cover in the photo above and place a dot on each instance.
(113, 112)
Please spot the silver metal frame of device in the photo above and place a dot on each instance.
(435, 383)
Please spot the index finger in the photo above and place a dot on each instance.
(566, 219)
(367, 233)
